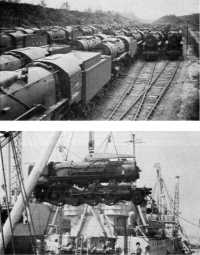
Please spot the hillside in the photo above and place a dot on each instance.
(192, 19)
(13, 14)
(168, 19)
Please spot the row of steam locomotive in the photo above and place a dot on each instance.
(154, 42)
(26, 37)
(149, 44)
(59, 81)
(61, 84)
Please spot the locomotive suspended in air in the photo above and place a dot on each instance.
(104, 178)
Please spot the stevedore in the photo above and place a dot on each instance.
(138, 249)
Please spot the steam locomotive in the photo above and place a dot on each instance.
(174, 44)
(22, 37)
(101, 169)
(152, 45)
(95, 180)
(18, 58)
(52, 87)
(19, 39)
(121, 49)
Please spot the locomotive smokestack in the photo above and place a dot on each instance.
(91, 144)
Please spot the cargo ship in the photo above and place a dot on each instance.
(126, 219)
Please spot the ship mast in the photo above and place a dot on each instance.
(177, 200)
(133, 142)
(14, 181)
(161, 193)
(91, 144)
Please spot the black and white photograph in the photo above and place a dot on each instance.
(96, 193)
(99, 60)
(99, 127)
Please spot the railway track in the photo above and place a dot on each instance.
(144, 101)
(135, 85)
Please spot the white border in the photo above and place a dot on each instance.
(100, 126)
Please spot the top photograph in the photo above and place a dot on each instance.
(130, 60)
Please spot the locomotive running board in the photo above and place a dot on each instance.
(39, 112)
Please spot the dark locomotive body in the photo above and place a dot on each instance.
(174, 44)
(53, 85)
(87, 43)
(100, 170)
(99, 180)
(152, 46)
(18, 58)
(19, 39)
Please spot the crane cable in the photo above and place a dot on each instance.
(104, 141)
(107, 141)
(70, 145)
(24, 195)
(114, 143)
(7, 201)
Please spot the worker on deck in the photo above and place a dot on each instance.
(138, 249)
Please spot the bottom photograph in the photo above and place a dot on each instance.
(99, 193)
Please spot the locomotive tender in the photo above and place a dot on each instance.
(50, 87)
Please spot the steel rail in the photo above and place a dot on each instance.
(125, 93)
(146, 92)
(163, 92)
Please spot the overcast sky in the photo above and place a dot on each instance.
(178, 154)
(148, 9)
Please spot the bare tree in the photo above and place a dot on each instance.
(65, 5)
(43, 3)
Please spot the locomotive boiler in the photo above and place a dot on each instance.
(87, 43)
(122, 49)
(97, 169)
(50, 87)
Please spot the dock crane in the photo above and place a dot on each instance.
(19, 206)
